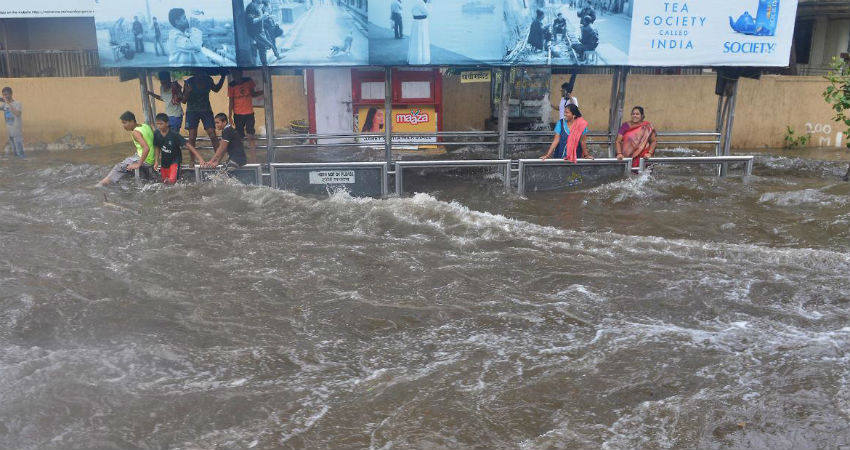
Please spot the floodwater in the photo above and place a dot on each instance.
(671, 311)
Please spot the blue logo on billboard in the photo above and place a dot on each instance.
(763, 25)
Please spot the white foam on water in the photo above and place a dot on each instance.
(814, 197)
(633, 187)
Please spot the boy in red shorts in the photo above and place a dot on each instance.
(168, 146)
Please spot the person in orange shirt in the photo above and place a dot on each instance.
(241, 92)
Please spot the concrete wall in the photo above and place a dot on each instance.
(89, 107)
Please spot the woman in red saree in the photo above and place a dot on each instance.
(570, 141)
(636, 138)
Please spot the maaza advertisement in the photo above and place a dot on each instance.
(712, 33)
(413, 119)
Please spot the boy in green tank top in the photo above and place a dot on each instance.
(144, 156)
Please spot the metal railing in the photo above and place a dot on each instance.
(312, 168)
(468, 138)
(401, 165)
(719, 161)
(526, 163)
(254, 171)
(348, 173)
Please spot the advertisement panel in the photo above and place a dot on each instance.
(413, 119)
(47, 8)
(717, 33)
(165, 33)
(301, 32)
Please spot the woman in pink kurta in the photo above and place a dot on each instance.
(636, 138)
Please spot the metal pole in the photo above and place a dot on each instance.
(615, 79)
(146, 99)
(730, 120)
(504, 111)
(612, 109)
(6, 50)
(718, 127)
(388, 114)
(149, 82)
(268, 109)
(618, 112)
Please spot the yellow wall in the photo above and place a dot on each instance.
(89, 107)
(465, 106)
(688, 103)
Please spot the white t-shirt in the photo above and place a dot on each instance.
(13, 122)
(171, 109)
(563, 104)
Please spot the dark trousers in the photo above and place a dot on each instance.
(157, 46)
(580, 49)
(140, 45)
(397, 25)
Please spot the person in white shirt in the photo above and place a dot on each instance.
(171, 94)
(185, 42)
(567, 97)
(419, 51)
(12, 110)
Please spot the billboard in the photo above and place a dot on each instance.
(298, 33)
(47, 8)
(165, 33)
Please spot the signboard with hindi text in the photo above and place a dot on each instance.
(475, 76)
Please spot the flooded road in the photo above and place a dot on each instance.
(667, 311)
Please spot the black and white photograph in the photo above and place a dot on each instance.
(568, 32)
(431, 32)
(302, 32)
(533, 32)
(165, 33)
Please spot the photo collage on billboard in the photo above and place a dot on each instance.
(301, 33)
(165, 33)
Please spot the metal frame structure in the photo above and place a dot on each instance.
(502, 139)
(401, 165)
(200, 171)
(525, 163)
(721, 161)
(275, 167)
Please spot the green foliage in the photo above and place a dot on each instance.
(837, 93)
(794, 141)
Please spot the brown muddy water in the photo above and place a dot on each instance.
(667, 311)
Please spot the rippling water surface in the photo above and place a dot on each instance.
(670, 311)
